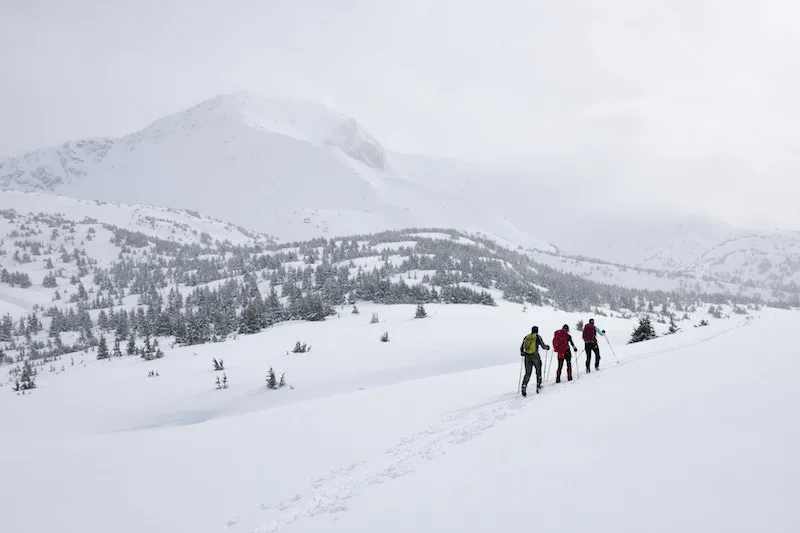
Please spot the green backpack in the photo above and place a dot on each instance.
(529, 343)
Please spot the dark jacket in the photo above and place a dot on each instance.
(539, 344)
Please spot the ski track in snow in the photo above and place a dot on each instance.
(331, 493)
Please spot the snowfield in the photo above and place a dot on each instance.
(695, 431)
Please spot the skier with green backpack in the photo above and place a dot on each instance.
(530, 351)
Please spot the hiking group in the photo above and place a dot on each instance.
(562, 341)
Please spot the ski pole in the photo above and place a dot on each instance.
(612, 349)
(519, 386)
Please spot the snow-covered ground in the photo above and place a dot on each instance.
(693, 431)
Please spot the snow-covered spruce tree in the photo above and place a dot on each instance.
(301, 348)
(644, 331)
(673, 327)
(385, 336)
(374, 319)
(355, 310)
(420, 312)
(272, 380)
(218, 365)
(102, 348)
(157, 353)
(117, 348)
(579, 326)
(130, 349)
(49, 281)
(27, 379)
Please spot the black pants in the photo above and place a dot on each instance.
(592, 347)
(532, 360)
(568, 359)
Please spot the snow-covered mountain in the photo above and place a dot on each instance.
(299, 170)
(293, 169)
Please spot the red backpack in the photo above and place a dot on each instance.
(560, 341)
(589, 333)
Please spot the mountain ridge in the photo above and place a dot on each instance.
(297, 170)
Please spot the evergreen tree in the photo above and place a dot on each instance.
(102, 348)
(131, 348)
(7, 329)
(673, 327)
(27, 380)
(420, 313)
(644, 331)
(117, 349)
(272, 380)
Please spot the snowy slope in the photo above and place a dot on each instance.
(36, 227)
(684, 434)
(299, 170)
(166, 223)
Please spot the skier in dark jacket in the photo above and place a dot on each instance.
(590, 333)
(562, 340)
(529, 349)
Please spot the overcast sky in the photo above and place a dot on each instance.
(691, 104)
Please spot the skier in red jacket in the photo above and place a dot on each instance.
(561, 343)
(590, 333)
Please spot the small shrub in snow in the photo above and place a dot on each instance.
(673, 327)
(222, 383)
(374, 319)
(355, 310)
(218, 365)
(702, 323)
(579, 326)
(273, 382)
(301, 348)
(117, 349)
(715, 311)
(152, 374)
(643, 332)
(420, 312)
(385, 336)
